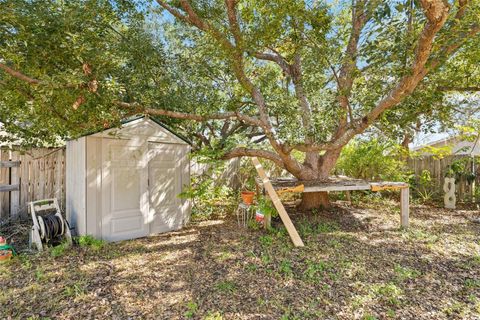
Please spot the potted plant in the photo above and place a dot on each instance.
(246, 194)
(265, 211)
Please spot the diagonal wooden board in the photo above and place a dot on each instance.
(297, 241)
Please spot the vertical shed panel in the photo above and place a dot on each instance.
(93, 185)
(185, 164)
(75, 177)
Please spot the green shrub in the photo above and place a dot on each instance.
(372, 160)
(207, 195)
(423, 186)
(265, 206)
(89, 241)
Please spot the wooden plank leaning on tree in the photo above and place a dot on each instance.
(297, 241)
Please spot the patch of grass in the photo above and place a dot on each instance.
(327, 227)
(59, 250)
(361, 300)
(25, 261)
(4, 295)
(315, 270)
(285, 268)
(389, 293)
(226, 286)
(39, 274)
(281, 232)
(405, 273)
(266, 240)
(224, 255)
(473, 262)
(75, 290)
(455, 309)
(192, 308)
(252, 267)
(266, 259)
(369, 317)
(254, 225)
(307, 228)
(334, 243)
(213, 316)
(391, 313)
(420, 235)
(89, 241)
(472, 283)
(5, 270)
(250, 254)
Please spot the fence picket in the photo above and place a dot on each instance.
(41, 174)
(14, 195)
(438, 171)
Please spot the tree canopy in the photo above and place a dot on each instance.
(272, 79)
(64, 63)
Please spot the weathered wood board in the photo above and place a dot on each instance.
(297, 241)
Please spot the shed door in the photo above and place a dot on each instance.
(165, 181)
(124, 190)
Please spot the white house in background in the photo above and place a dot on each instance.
(458, 146)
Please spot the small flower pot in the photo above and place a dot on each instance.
(247, 197)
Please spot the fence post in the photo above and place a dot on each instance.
(14, 179)
(404, 207)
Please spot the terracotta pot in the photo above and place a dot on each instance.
(247, 197)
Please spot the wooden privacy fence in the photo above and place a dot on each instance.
(438, 169)
(28, 176)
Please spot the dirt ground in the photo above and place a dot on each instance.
(357, 264)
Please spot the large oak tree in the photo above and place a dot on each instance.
(339, 69)
(273, 79)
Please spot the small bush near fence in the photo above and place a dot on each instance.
(373, 160)
(429, 173)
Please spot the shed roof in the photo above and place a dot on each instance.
(130, 121)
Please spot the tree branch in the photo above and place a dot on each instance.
(349, 64)
(297, 78)
(246, 152)
(436, 12)
(274, 57)
(193, 19)
(19, 75)
(233, 21)
(190, 116)
(91, 85)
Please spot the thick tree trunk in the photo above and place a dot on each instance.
(322, 166)
(314, 200)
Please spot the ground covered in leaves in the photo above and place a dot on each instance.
(357, 264)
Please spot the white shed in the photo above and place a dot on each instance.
(123, 183)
